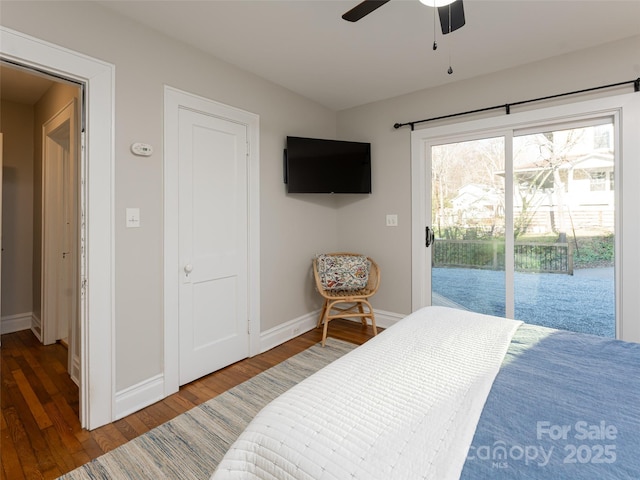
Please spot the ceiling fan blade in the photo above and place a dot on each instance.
(451, 24)
(363, 9)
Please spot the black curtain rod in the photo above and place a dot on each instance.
(507, 106)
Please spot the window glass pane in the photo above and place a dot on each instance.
(469, 225)
(564, 229)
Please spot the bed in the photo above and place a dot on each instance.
(448, 394)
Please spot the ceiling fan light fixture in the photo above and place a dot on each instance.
(436, 3)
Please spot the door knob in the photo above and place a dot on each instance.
(188, 268)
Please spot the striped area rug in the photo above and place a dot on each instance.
(191, 445)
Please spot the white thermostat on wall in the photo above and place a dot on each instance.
(141, 149)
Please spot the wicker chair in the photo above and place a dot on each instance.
(345, 299)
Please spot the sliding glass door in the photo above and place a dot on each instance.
(523, 224)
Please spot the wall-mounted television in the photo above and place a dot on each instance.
(313, 165)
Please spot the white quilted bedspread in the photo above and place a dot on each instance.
(403, 406)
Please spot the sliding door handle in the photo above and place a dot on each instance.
(429, 237)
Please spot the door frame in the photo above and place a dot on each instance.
(625, 109)
(97, 385)
(1, 163)
(174, 100)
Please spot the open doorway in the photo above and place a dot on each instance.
(97, 323)
(40, 269)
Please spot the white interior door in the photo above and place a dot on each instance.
(213, 244)
(55, 156)
(60, 237)
(52, 244)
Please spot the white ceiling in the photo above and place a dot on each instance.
(305, 45)
(20, 86)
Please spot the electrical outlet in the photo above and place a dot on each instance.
(392, 220)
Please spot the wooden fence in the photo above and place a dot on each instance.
(489, 254)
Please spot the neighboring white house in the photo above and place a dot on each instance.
(565, 181)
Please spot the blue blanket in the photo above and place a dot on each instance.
(563, 406)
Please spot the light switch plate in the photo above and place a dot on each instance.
(133, 217)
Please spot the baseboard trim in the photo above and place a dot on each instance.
(291, 329)
(286, 331)
(75, 370)
(15, 323)
(139, 396)
(150, 391)
(387, 319)
(36, 327)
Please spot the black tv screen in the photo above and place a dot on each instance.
(313, 165)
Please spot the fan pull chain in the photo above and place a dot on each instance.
(450, 70)
(435, 44)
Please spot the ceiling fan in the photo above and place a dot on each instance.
(451, 13)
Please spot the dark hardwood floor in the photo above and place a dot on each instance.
(40, 434)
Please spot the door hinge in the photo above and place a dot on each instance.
(248, 326)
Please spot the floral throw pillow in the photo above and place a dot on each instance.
(343, 272)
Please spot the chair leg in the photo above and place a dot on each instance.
(322, 313)
(363, 317)
(324, 330)
(373, 324)
(326, 314)
(372, 316)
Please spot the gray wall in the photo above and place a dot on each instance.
(292, 228)
(16, 124)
